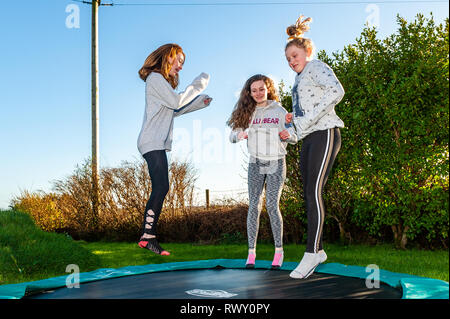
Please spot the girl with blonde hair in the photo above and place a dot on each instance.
(315, 93)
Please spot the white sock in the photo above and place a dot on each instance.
(306, 266)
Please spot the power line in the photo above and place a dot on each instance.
(98, 1)
(263, 3)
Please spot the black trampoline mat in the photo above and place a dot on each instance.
(242, 283)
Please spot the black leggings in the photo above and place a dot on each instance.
(159, 175)
(317, 156)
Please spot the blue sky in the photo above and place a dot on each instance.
(45, 104)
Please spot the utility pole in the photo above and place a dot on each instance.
(95, 111)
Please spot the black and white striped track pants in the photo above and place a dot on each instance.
(319, 150)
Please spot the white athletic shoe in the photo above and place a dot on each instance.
(307, 265)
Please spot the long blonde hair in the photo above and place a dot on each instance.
(246, 105)
(296, 32)
(158, 61)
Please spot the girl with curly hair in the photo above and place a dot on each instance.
(260, 118)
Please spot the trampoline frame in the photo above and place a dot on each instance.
(413, 287)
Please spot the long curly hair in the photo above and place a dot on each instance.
(245, 106)
(296, 32)
(158, 61)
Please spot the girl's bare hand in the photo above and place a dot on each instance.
(242, 135)
(288, 118)
(207, 100)
(284, 135)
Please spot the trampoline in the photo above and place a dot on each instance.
(229, 279)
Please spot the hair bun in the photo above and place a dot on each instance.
(299, 28)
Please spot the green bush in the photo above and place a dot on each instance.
(392, 169)
(396, 109)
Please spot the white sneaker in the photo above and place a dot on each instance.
(307, 265)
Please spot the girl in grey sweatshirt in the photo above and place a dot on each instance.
(315, 93)
(259, 118)
(162, 104)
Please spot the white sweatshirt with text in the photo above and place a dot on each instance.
(265, 125)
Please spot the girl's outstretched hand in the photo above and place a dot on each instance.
(242, 135)
(288, 118)
(207, 100)
(284, 135)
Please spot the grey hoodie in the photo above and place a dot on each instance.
(264, 141)
(162, 104)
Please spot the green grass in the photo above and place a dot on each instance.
(28, 254)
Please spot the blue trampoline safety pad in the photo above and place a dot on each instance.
(413, 287)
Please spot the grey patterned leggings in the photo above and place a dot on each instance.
(273, 174)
